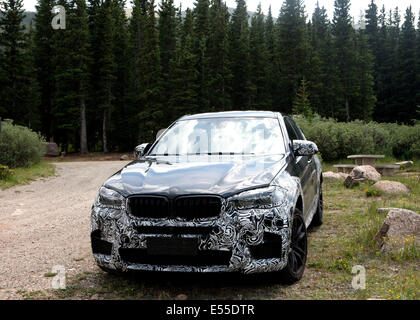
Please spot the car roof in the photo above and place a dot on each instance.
(232, 114)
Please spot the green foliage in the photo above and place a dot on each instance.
(337, 140)
(292, 52)
(5, 172)
(239, 56)
(17, 83)
(19, 146)
(372, 192)
(301, 105)
(108, 82)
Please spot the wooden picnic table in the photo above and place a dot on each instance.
(365, 159)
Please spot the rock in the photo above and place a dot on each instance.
(333, 175)
(181, 297)
(51, 149)
(384, 210)
(94, 297)
(391, 187)
(124, 157)
(405, 164)
(361, 174)
(400, 226)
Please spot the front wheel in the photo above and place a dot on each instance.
(298, 251)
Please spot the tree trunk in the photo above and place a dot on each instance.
(347, 110)
(83, 134)
(104, 124)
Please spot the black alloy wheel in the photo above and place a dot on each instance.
(298, 251)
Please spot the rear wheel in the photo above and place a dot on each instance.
(298, 251)
(319, 214)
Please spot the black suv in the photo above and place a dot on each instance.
(216, 192)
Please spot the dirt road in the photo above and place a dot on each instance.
(46, 223)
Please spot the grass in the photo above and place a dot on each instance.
(346, 239)
(26, 175)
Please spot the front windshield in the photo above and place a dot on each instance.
(220, 136)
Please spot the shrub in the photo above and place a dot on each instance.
(19, 146)
(5, 172)
(337, 140)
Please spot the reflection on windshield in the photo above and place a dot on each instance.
(220, 136)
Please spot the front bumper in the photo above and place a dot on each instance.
(247, 241)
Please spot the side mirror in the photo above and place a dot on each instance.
(141, 150)
(304, 148)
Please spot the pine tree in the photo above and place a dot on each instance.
(372, 26)
(31, 99)
(301, 103)
(201, 31)
(184, 74)
(270, 68)
(121, 131)
(407, 89)
(106, 69)
(145, 78)
(366, 99)
(167, 43)
(239, 56)
(12, 61)
(322, 73)
(80, 62)
(293, 51)
(372, 31)
(258, 61)
(218, 57)
(418, 70)
(65, 107)
(344, 44)
(43, 54)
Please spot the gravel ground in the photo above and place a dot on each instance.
(47, 223)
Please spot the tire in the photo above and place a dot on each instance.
(319, 214)
(298, 251)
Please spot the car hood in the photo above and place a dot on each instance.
(173, 176)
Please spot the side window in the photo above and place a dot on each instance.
(297, 130)
(290, 130)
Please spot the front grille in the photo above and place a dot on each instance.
(150, 207)
(187, 207)
(197, 207)
(202, 259)
(98, 245)
(174, 230)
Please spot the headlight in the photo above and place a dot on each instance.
(110, 199)
(263, 198)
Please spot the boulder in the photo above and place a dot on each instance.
(51, 149)
(124, 157)
(334, 175)
(387, 186)
(401, 226)
(361, 174)
(405, 164)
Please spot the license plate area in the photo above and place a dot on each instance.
(172, 246)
